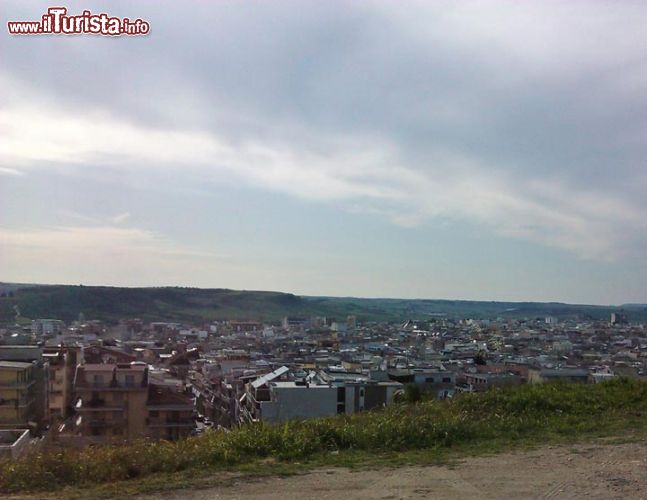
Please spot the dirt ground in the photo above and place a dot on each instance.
(583, 471)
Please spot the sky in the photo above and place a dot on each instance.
(462, 150)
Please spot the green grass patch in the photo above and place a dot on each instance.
(425, 432)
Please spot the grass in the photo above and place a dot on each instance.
(425, 432)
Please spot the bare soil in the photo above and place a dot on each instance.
(591, 471)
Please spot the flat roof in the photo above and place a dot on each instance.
(567, 372)
(19, 346)
(14, 364)
(98, 367)
(294, 385)
(9, 436)
(269, 377)
(134, 367)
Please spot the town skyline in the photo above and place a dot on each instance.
(438, 150)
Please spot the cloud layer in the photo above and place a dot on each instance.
(528, 119)
(368, 174)
(100, 255)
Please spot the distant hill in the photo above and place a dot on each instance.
(196, 304)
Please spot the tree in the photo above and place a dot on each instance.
(412, 393)
(480, 358)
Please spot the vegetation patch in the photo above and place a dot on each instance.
(111, 304)
(491, 421)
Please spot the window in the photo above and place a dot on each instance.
(429, 380)
(97, 379)
(447, 380)
(154, 413)
(130, 380)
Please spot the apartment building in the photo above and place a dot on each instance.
(319, 394)
(47, 327)
(62, 366)
(117, 402)
(541, 375)
(170, 413)
(24, 398)
(17, 394)
(111, 399)
(439, 383)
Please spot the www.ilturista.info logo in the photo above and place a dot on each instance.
(58, 22)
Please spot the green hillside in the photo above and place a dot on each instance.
(195, 304)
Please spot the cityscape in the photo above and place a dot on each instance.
(88, 382)
(289, 249)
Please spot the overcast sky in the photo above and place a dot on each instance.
(475, 150)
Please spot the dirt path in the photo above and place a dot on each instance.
(584, 471)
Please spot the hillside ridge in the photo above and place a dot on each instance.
(188, 304)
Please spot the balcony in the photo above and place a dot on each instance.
(170, 422)
(96, 405)
(14, 384)
(23, 402)
(97, 421)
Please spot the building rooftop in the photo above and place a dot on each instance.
(96, 367)
(269, 377)
(14, 364)
(295, 385)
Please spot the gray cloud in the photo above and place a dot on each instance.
(530, 118)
